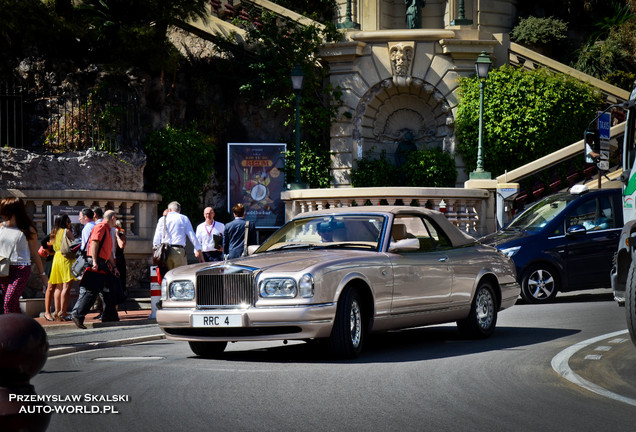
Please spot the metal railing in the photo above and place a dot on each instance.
(59, 119)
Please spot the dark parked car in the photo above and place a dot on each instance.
(564, 242)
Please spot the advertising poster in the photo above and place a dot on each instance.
(256, 179)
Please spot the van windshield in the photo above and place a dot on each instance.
(538, 216)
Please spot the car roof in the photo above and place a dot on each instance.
(456, 236)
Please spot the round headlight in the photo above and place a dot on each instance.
(181, 290)
(280, 288)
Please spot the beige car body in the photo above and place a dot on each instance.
(398, 290)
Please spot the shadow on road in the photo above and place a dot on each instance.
(424, 343)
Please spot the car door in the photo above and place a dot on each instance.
(423, 278)
(588, 255)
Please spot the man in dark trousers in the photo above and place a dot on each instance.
(100, 248)
(234, 238)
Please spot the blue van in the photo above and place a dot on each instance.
(564, 242)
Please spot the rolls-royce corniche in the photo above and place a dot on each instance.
(338, 275)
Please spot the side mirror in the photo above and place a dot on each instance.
(251, 249)
(576, 230)
(405, 245)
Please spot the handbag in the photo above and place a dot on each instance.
(67, 249)
(5, 256)
(80, 265)
(43, 252)
(160, 252)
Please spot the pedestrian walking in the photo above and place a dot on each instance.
(210, 234)
(120, 258)
(99, 278)
(234, 240)
(18, 243)
(174, 228)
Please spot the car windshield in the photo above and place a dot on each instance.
(538, 216)
(349, 231)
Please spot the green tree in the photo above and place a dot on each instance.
(180, 162)
(527, 114)
(274, 47)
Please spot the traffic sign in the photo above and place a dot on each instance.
(604, 125)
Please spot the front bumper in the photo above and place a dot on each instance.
(257, 323)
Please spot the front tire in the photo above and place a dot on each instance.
(348, 332)
(540, 284)
(630, 302)
(207, 349)
(482, 319)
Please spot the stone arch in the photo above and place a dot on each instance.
(389, 109)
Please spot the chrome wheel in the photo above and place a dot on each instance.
(355, 324)
(482, 319)
(349, 330)
(485, 309)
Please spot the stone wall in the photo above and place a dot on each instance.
(92, 170)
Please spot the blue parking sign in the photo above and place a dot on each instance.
(604, 124)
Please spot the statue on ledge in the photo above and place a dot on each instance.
(414, 13)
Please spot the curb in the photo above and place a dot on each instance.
(58, 351)
(99, 324)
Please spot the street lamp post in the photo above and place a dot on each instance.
(297, 84)
(482, 67)
(348, 23)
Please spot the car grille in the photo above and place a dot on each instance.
(225, 289)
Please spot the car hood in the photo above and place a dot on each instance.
(503, 238)
(284, 261)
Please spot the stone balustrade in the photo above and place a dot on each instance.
(136, 210)
(469, 209)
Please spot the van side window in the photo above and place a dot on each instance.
(594, 214)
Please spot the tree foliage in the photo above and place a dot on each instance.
(430, 168)
(539, 31)
(180, 162)
(527, 114)
(275, 46)
(372, 172)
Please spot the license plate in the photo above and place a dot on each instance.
(201, 320)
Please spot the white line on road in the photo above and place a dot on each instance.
(561, 366)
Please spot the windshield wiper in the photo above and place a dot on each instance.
(291, 246)
(344, 245)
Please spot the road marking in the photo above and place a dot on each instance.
(143, 358)
(561, 366)
(593, 357)
(602, 348)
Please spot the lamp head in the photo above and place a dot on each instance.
(482, 65)
(297, 78)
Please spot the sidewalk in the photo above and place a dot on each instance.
(126, 318)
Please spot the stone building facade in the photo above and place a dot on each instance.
(398, 81)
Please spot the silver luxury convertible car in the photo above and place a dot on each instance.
(336, 275)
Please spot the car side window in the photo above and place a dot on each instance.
(428, 234)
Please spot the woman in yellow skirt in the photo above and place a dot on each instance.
(61, 277)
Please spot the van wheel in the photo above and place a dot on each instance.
(540, 284)
(630, 302)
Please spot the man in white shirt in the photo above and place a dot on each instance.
(86, 216)
(207, 232)
(178, 229)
